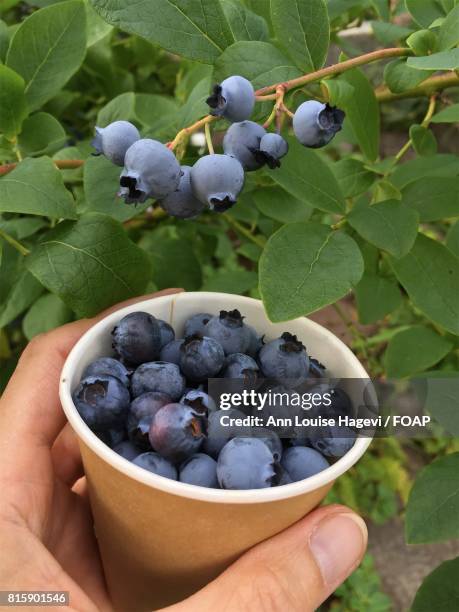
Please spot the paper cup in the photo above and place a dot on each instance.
(162, 540)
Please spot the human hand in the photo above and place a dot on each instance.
(46, 531)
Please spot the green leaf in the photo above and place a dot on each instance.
(352, 177)
(387, 33)
(121, 108)
(90, 264)
(440, 590)
(24, 292)
(260, 62)
(450, 114)
(385, 190)
(195, 107)
(96, 28)
(36, 187)
(399, 77)
(306, 266)
(452, 239)
(243, 23)
(424, 11)
(316, 187)
(4, 40)
(440, 165)
(340, 93)
(303, 30)
(101, 183)
(422, 42)
(22, 227)
(423, 140)
(281, 206)
(47, 313)
(150, 108)
(376, 297)
(414, 350)
(13, 106)
(448, 35)
(363, 113)
(41, 134)
(440, 398)
(430, 276)
(433, 505)
(388, 225)
(445, 60)
(434, 198)
(196, 29)
(48, 48)
(231, 281)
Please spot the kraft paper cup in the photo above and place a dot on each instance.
(162, 540)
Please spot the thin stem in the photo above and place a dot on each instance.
(210, 145)
(14, 243)
(437, 83)
(186, 132)
(244, 231)
(425, 122)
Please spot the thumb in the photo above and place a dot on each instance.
(297, 569)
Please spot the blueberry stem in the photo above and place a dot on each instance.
(210, 145)
(14, 243)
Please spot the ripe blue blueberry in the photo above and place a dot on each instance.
(217, 180)
(199, 401)
(201, 358)
(127, 450)
(158, 376)
(182, 203)
(246, 463)
(197, 324)
(284, 359)
(151, 170)
(315, 124)
(114, 140)
(110, 367)
(141, 413)
(137, 338)
(177, 432)
(242, 367)
(271, 150)
(218, 433)
(284, 478)
(229, 330)
(166, 332)
(242, 141)
(199, 470)
(271, 439)
(316, 369)
(233, 99)
(334, 440)
(113, 436)
(171, 352)
(102, 402)
(301, 462)
(153, 462)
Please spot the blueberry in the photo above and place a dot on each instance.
(256, 342)
(240, 366)
(153, 462)
(217, 180)
(334, 441)
(199, 401)
(151, 170)
(113, 436)
(199, 470)
(110, 367)
(171, 352)
(284, 359)
(284, 478)
(166, 332)
(141, 413)
(102, 402)
(177, 432)
(271, 439)
(201, 358)
(197, 324)
(229, 330)
(271, 150)
(114, 140)
(127, 450)
(315, 124)
(158, 376)
(242, 141)
(316, 369)
(182, 203)
(219, 434)
(137, 338)
(301, 462)
(246, 463)
(233, 99)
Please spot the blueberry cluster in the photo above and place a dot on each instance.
(151, 169)
(150, 402)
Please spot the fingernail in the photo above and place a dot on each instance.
(337, 544)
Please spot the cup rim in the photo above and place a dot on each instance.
(252, 496)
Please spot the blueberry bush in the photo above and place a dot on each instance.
(344, 213)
